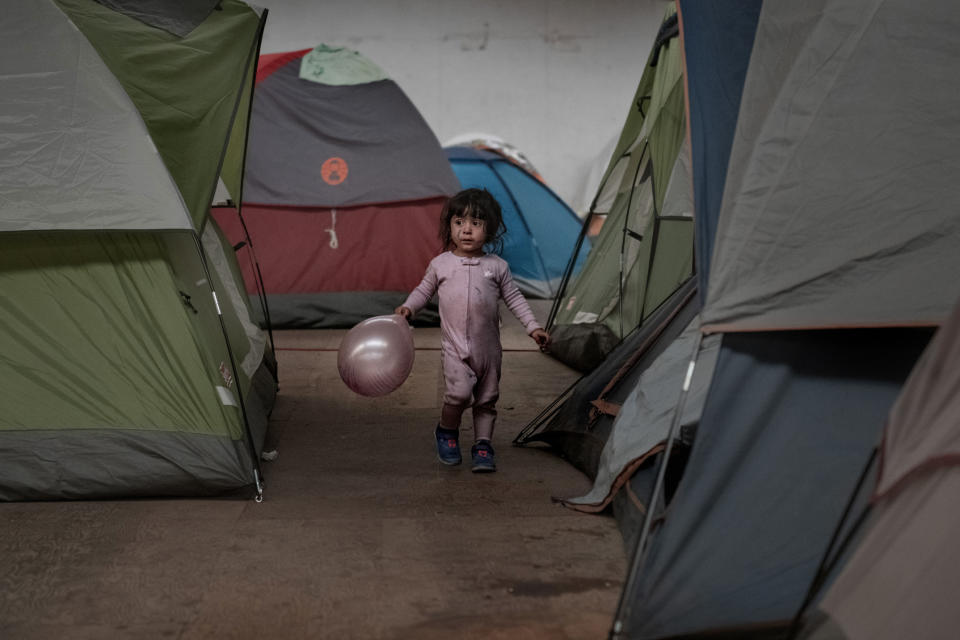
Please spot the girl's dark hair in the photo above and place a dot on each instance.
(478, 204)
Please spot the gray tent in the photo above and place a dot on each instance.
(634, 297)
(902, 580)
(644, 420)
(578, 422)
(828, 255)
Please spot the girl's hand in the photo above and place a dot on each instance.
(404, 311)
(541, 337)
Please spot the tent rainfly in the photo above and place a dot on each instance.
(131, 365)
(826, 253)
(656, 293)
(825, 257)
(901, 578)
(644, 251)
(344, 186)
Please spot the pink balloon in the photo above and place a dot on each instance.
(376, 355)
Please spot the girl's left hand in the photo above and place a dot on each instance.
(541, 337)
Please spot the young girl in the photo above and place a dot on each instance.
(469, 284)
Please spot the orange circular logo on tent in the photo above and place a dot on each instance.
(334, 171)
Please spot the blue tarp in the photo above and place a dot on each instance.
(542, 230)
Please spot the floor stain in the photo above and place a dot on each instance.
(552, 588)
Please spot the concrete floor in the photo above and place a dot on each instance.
(362, 534)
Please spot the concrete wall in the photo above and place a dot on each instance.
(554, 78)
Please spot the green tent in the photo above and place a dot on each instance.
(644, 251)
(130, 364)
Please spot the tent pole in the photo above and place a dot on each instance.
(555, 308)
(653, 241)
(829, 559)
(257, 472)
(262, 290)
(253, 55)
(639, 552)
(626, 230)
(568, 271)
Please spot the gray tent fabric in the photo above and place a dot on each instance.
(396, 166)
(784, 434)
(179, 464)
(584, 345)
(579, 423)
(902, 579)
(924, 429)
(178, 17)
(645, 419)
(837, 215)
(77, 154)
(847, 142)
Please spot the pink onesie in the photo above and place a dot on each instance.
(469, 290)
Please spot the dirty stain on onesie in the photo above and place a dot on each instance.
(469, 289)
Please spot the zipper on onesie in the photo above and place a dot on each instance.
(466, 319)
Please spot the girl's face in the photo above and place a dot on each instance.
(469, 235)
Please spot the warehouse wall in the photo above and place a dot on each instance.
(554, 78)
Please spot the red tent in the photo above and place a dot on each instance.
(343, 189)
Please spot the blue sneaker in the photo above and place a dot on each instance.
(448, 447)
(483, 457)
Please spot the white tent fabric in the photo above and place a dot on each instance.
(592, 177)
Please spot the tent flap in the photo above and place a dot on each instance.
(848, 144)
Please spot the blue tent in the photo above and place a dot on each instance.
(542, 230)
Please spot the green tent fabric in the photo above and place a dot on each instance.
(644, 251)
(131, 365)
(185, 94)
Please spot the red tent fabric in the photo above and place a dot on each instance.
(342, 195)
